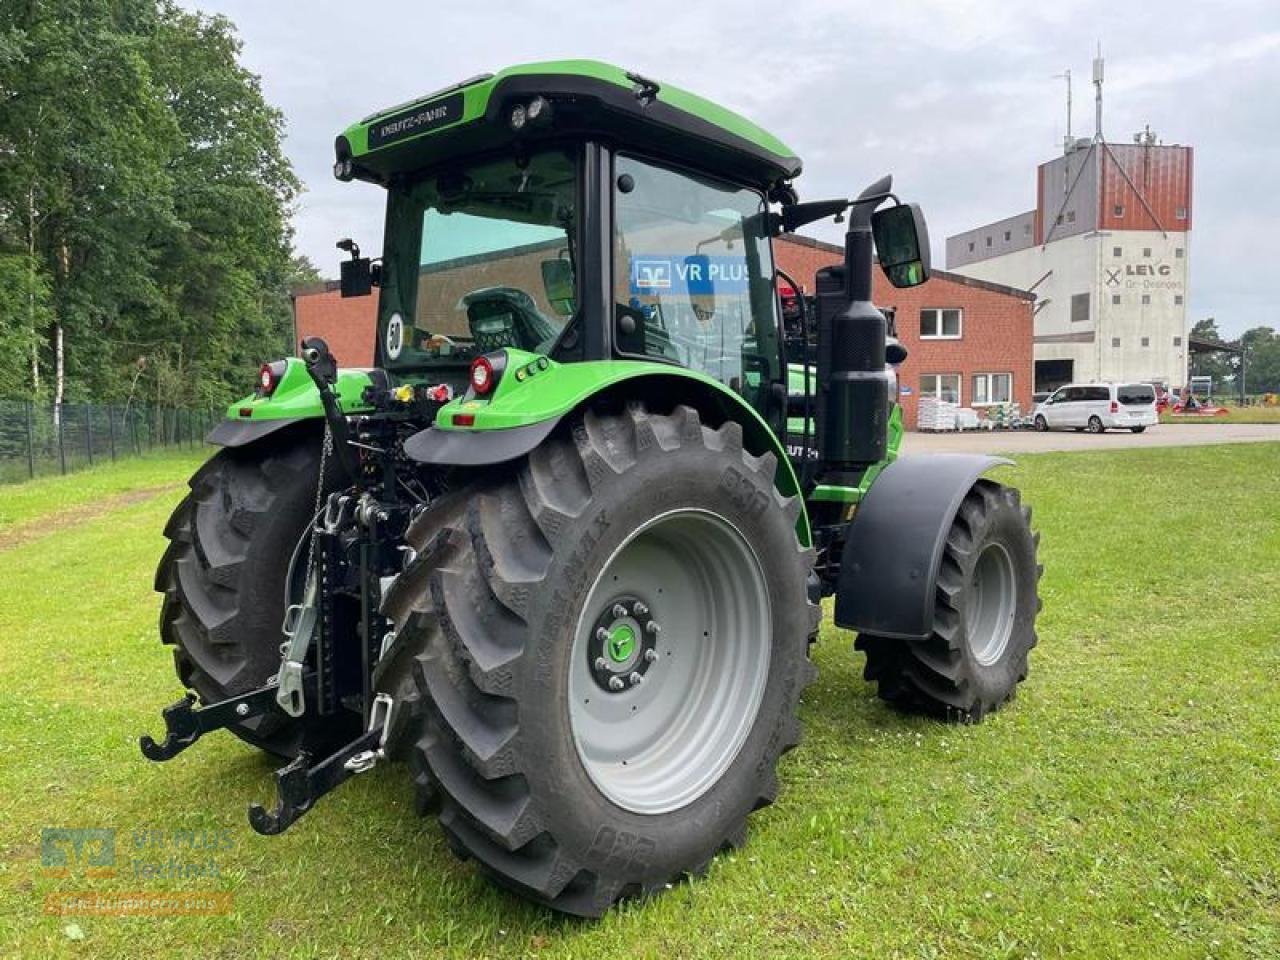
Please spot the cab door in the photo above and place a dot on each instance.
(693, 279)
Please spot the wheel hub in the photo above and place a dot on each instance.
(621, 648)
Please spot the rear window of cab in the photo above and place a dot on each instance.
(1136, 394)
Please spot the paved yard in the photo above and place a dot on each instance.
(1029, 441)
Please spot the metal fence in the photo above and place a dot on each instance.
(35, 440)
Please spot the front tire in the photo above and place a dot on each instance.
(526, 615)
(1096, 425)
(1042, 424)
(984, 616)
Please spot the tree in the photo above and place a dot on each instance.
(145, 192)
(1262, 360)
(1209, 364)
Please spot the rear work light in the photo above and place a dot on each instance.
(486, 371)
(269, 377)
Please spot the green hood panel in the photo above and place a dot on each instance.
(296, 397)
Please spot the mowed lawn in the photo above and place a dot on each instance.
(1127, 804)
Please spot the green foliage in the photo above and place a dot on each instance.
(144, 176)
(1262, 360)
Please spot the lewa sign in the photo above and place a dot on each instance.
(1143, 276)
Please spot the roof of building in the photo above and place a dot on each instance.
(934, 273)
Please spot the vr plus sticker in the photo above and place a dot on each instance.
(655, 273)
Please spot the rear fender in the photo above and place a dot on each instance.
(523, 413)
(893, 545)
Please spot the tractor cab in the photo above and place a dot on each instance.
(579, 212)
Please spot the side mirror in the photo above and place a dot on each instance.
(356, 277)
(902, 244)
(557, 281)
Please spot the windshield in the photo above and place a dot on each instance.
(479, 258)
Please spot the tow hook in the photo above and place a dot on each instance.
(299, 785)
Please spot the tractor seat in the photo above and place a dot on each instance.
(507, 317)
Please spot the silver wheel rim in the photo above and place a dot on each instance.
(690, 685)
(989, 612)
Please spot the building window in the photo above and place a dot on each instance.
(989, 388)
(1115, 299)
(1118, 209)
(988, 241)
(1146, 341)
(1180, 213)
(941, 386)
(1026, 229)
(1071, 216)
(1177, 299)
(1080, 308)
(1115, 251)
(1146, 251)
(1177, 252)
(1177, 341)
(1146, 298)
(971, 246)
(1115, 342)
(1008, 235)
(940, 323)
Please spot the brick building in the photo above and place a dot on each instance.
(969, 340)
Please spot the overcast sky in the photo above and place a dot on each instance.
(957, 99)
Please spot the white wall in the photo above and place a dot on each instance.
(1087, 264)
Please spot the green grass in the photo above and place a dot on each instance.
(1233, 415)
(46, 496)
(1125, 805)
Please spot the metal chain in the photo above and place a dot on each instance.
(326, 448)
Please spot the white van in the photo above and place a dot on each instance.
(1097, 407)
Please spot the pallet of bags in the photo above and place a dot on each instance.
(967, 419)
(935, 414)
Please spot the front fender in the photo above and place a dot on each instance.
(893, 545)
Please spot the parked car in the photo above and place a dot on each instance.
(1097, 407)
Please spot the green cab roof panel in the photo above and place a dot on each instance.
(589, 98)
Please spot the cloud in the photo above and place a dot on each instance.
(956, 97)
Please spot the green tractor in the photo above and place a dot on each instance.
(563, 549)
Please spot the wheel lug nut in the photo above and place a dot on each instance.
(619, 611)
(602, 634)
(615, 683)
(639, 609)
(600, 663)
(654, 628)
(635, 679)
(651, 654)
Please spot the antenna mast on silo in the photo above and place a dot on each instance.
(1097, 85)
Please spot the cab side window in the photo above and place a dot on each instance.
(693, 276)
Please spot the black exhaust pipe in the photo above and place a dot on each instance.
(853, 391)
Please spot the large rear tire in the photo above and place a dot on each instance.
(984, 617)
(223, 579)
(601, 650)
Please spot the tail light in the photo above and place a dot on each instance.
(269, 377)
(1115, 407)
(486, 371)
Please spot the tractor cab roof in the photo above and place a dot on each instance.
(578, 99)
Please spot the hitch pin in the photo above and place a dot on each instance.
(379, 715)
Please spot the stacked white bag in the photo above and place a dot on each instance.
(935, 414)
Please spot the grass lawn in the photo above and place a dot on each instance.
(1127, 804)
(1233, 415)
